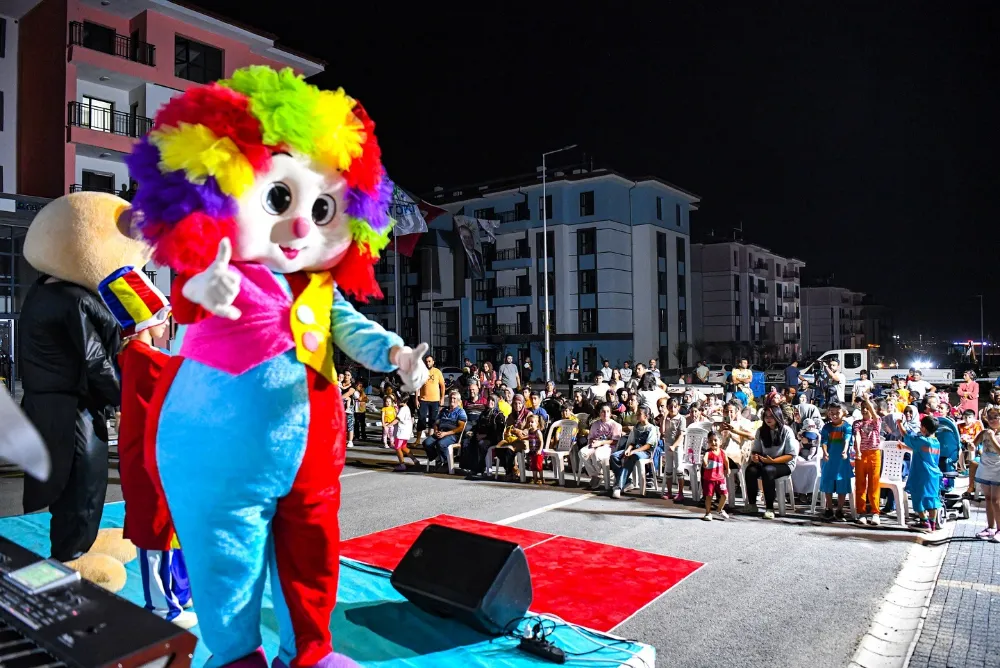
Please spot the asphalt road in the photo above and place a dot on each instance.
(788, 592)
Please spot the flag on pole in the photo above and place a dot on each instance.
(411, 215)
(472, 232)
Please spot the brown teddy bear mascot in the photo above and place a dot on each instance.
(69, 344)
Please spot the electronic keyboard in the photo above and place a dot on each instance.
(80, 625)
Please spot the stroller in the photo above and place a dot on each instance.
(952, 503)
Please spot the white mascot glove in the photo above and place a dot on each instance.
(412, 369)
(216, 288)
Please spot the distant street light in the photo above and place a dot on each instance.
(545, 255)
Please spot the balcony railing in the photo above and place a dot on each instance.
(504, 329)
(788, 297)
(107, 120)
(515, 253)
(512, 291)
(124, 194)
(112, 43)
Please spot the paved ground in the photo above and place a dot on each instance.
(962, 628)
(765, 596)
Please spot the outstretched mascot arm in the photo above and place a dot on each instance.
(103, 386)
(364, 340)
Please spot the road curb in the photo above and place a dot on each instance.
(896, 627)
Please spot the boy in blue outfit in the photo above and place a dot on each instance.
(924, 483)
(835, 439)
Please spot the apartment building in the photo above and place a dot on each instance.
(618, 252)
(833, 317)
(746, 295)
(80, 81)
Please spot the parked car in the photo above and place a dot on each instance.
(775, 374)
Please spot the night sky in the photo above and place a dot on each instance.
(860, 137)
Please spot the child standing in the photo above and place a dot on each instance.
(835, 439)
(360, 419)
(988, 474)
(388, 420)
(536, 461)
(142, 312)
(924, 483)
(868, 463)
(673, 427)
(403, 433)
(968, 429)
(714, 469)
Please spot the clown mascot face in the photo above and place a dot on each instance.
(268, 198)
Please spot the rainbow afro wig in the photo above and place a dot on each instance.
(209, 144)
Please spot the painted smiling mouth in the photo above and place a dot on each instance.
(290, 253)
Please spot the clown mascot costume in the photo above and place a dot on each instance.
(268, 198)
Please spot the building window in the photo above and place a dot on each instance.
(484, 288)
(677, 214)
(548, 207)
(736, 283)
(195, 61)
(659, 208)
(484, 324)
(587, 203)
(588, 281)
(96, 114)
(539, 250)
(541, 321)
(661, 283)
(664, 321)
(661, 245)
(3, 38)
(97, 182)
(521, 211)
(736, 258)
(738, 337)
(589, 360)
(552, 283)
(681, 254)
(586, 242)
(1, 117)
(444, 335)
(681, 285)
(485, 214)
(588, 321)
(682, 323)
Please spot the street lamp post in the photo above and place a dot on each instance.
(982, 336)
(545, 254)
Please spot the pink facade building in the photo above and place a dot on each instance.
(92, 74)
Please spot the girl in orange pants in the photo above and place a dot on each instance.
(868, 464)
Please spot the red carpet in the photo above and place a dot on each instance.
(591, 584)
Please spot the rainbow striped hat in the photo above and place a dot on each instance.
(134, 301)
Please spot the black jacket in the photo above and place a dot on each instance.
(69, 342)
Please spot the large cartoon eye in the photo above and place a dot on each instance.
(324, 209)
(277, 199)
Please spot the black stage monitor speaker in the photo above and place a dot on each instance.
(482, 582)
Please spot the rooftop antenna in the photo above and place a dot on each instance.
(738, 237)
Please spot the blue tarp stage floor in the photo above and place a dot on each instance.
(373, 623)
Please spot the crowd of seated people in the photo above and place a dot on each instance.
(815, 437)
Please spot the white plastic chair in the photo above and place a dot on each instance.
(737, 473)
(817, 498)
(560, 454)
(450, 453)
(694, 442)
(496, 470)
(783, 487)
(892, 478)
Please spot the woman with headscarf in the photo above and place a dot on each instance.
(515, 437)
(771, 457)
(968, 392)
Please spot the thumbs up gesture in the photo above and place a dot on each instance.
(216, 288)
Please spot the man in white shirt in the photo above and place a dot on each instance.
(838, 382)
(653, 370)
(919, 387)
(701, 372)
(626, 372)
(606, 371)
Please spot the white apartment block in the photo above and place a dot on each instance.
(746, 294)
(832, 318)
